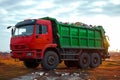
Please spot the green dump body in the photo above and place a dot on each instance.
(74, 36)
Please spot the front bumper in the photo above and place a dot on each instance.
(26, 54)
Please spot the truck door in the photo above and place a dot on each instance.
(42, 35)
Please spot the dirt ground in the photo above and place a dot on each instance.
(12, 70)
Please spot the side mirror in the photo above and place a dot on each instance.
(9, 27)
(12, 30)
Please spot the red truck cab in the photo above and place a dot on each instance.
(30, 39)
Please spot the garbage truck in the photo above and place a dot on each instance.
(48, 42)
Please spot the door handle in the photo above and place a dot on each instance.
(38, 36)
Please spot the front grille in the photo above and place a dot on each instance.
(19, 47)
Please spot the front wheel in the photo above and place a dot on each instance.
(50, 60)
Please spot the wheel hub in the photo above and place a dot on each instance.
(95, 60)
(85, 60)
(51, 60)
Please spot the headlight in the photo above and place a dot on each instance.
(29, 54)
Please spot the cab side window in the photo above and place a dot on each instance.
(44, 29)
(41, 29)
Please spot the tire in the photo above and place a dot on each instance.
(95, 60)
(31, 64)
(70, 63)
(50, 60)
(84, 60)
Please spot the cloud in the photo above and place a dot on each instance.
(115, 2)
(3, 11)
(18, 10)
(99, 3)
(14, 11)
(27, 2)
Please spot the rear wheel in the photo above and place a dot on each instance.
(31, 64)
(50, 60)
(95, 60)
(84, 60)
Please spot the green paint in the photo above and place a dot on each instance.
(73, 36)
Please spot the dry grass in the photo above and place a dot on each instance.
(109, 70)
(9, 68)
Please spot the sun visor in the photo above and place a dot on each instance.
(26, 22)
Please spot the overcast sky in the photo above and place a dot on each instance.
(95, 12)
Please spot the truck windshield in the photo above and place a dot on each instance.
(24, 30)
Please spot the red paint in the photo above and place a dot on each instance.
(35, 43)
